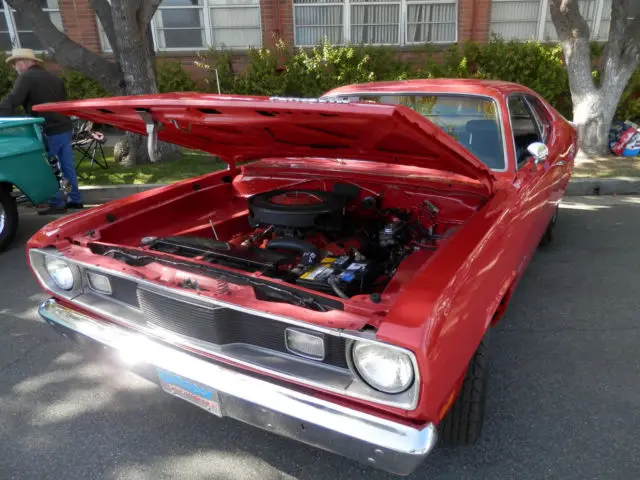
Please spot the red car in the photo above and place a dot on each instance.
(338, 282)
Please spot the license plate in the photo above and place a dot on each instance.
(191, 391)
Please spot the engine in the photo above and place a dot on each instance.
(332, 242)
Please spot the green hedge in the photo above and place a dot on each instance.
(311, 72)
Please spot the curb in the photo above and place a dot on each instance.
(603, 186)
(94, 195)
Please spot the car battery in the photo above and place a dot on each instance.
(351, 276)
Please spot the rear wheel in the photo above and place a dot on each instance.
(8, 217)
(462, 425)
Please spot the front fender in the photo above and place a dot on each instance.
(82, 225)
(445, 311)
(23, 160)
(31, 175)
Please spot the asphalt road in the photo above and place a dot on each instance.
(564, 396)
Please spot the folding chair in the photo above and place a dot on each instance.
(86, 141)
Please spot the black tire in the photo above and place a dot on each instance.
(463, 423)
(547, 238)
(8, 217)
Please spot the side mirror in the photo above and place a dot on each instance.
(538, 151)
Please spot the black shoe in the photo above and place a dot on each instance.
(51, 210)
(75, 206)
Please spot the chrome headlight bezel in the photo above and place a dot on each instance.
(405, 356)
(38, 262)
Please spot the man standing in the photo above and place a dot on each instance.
(33, 86)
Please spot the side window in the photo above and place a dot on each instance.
(524, 125)
(542, 116)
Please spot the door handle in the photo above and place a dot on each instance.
(561, 163)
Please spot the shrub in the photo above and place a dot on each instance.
(7, 76)
(80, 86)
(221, 61)
(263, 76)
(533, 64)
(629, 106)
(172, 77)
(311, 73)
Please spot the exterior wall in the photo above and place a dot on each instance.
(80, 24)
(277, 21)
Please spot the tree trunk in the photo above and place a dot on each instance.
(103, 11)
(593, 113)
(593, 106)
(137, 64)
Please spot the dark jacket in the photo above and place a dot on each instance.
(33, 87)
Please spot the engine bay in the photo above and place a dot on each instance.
(340, 242)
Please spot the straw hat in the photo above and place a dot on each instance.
(23, 54)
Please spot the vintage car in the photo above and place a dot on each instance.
(26, 171)
(338, 282)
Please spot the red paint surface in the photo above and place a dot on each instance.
(441, 302)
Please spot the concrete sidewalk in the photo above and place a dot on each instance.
(577, 187)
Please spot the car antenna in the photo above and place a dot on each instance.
(214, 230)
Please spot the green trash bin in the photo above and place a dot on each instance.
(25, 170)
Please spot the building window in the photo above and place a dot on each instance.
(186, 25)
(200, 24)
(381, 22)
(531, 19)
(235, 23)
(179, 25)
(17, 32)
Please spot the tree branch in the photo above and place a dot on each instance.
(631, 42)
(613, 49)
(67, 52)
(573, 33)
(103, 10)
(147, 10)
(633, 30)
(623, 46)
(568, 21)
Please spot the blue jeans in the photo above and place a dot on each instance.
(60, 146)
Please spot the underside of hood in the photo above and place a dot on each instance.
(242, 128)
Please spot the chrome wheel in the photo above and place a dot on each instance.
(3, 219)
(8, 218)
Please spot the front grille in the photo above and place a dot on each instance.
(224, 326)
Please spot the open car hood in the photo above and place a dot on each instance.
(241, 128)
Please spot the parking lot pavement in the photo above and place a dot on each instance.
(564, 397)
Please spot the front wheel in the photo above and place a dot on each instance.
(463, 423)
(8, 218)
(547, 238)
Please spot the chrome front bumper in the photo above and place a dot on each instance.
(384, 444)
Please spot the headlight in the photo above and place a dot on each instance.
(60, 272)
(383, 368)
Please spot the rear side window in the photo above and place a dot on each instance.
(526, 129)
(542, 117)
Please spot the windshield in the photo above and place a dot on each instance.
(470, 119)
